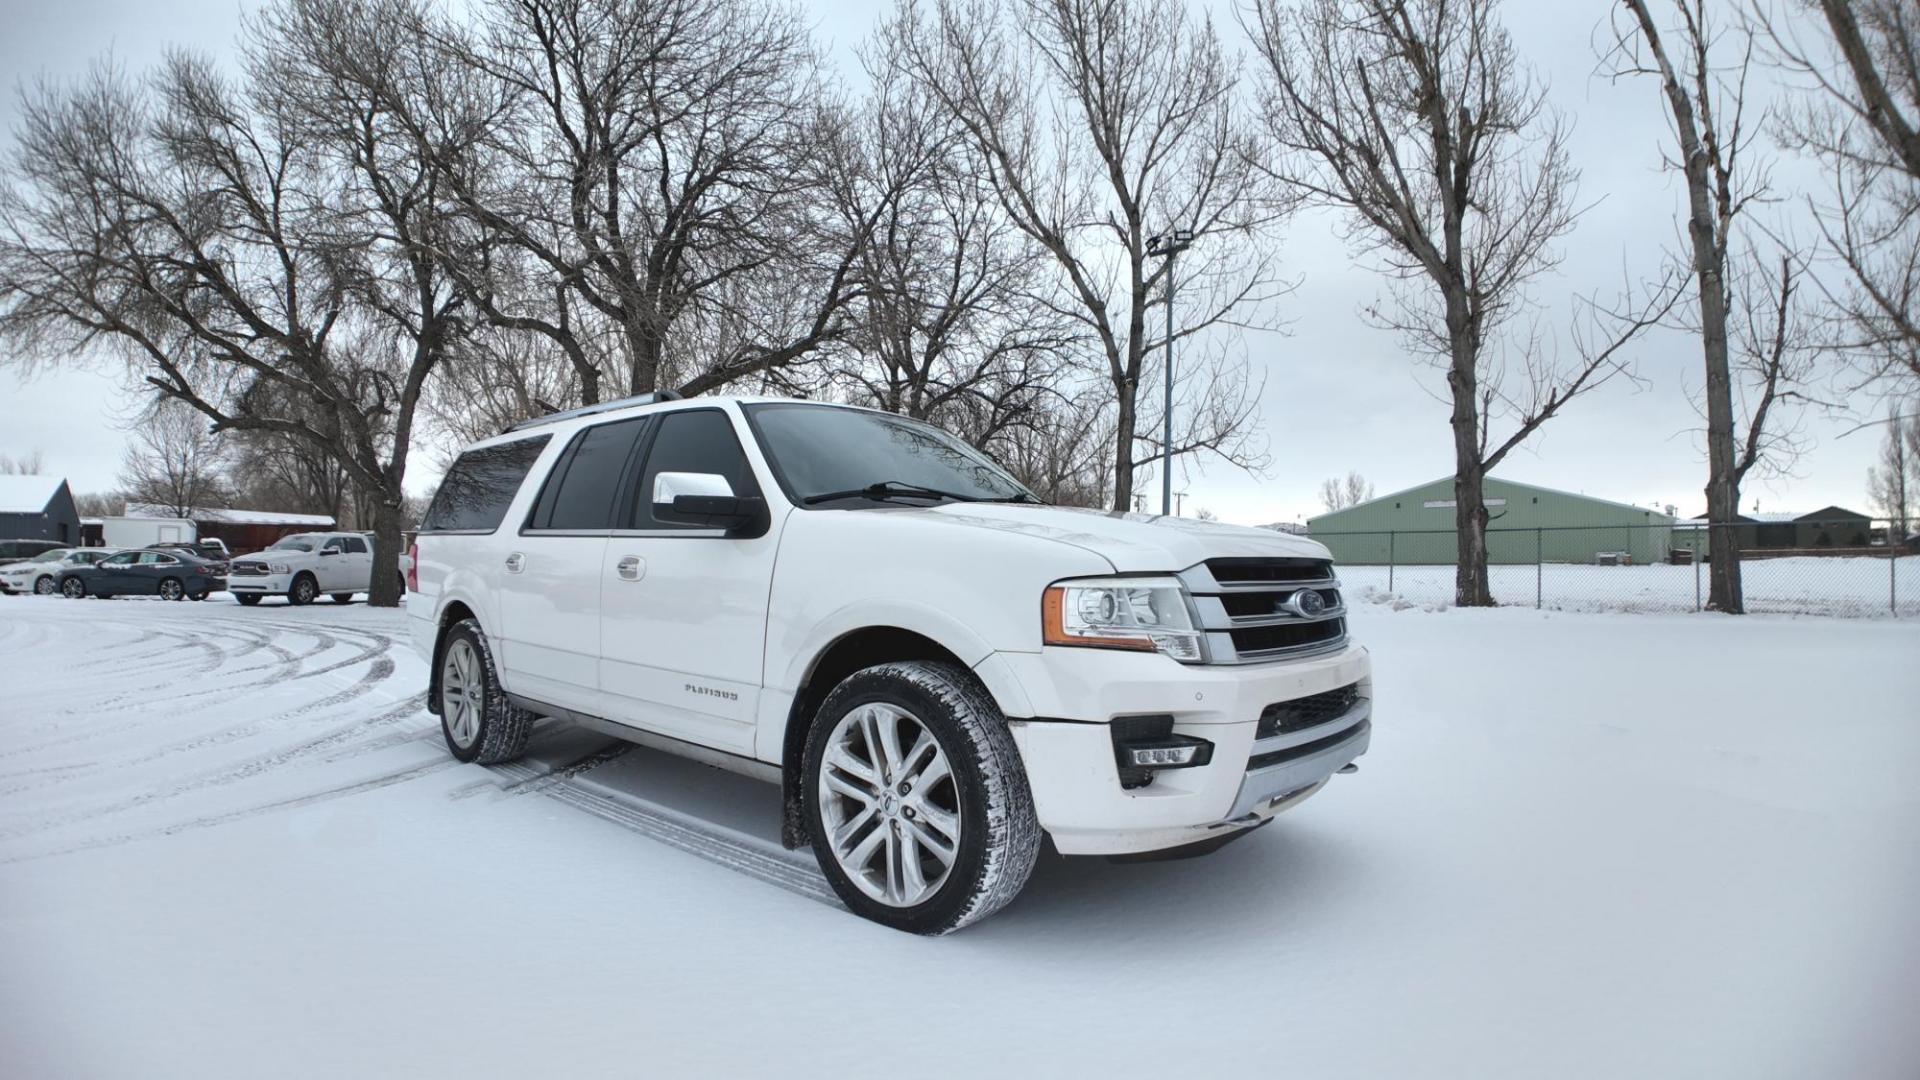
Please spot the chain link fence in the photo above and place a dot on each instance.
(1850, 567)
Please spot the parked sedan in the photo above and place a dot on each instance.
(41, 574)
(172, 575)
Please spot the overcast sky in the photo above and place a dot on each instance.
(1338, 395)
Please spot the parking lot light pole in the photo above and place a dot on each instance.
(1167, 246)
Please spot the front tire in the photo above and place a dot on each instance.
(171, 589)
(43, 586)
(917, 799)
(73, 588)
(303, 591)
(247, 599)
(479, 723)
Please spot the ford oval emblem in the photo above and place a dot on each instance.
(1307, 603)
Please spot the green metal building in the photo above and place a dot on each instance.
(1527, 523)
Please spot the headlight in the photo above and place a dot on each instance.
(1147, 614)
(278, 567)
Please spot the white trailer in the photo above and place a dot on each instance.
(137, 532)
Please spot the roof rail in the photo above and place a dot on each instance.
(599, 407)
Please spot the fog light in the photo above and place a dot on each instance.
(1163, 756)
(1143, 745)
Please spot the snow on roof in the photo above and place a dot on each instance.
(1775, 517)
(234, 517)
(27, 494)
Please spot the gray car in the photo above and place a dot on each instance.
(171, 575)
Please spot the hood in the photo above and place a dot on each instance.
(1133, 543)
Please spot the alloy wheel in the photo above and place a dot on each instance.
(459, 693)
(170, 589)
(890, 804)
(43, 587)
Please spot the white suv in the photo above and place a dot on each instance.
(868, 611)
(303, 567)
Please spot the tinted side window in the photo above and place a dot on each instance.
(356, 546)
(582, 489)
(476, 491)
(697, 441)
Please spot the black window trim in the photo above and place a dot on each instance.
(557, 473)
(623, 523)
(542, 440)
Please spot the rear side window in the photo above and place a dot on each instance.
(583, 489)
(696, 441)
(356, 546)
(477, 489)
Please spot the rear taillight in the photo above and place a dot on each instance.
(413, 566)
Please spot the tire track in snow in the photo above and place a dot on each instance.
(358, 787)
(737, 851)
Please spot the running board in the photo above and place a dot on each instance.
(666, 744)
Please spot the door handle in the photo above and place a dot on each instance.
(631, 568)
(516, 562)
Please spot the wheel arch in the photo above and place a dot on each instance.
(455, 611)
(850, 652)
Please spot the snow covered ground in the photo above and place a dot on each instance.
(231, 845)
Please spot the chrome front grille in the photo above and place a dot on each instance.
(247, 569)
(1255, 610)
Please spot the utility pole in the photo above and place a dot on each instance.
(1167, 246)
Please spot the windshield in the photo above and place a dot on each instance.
(293, 543)
(821, 450)
(51, 556)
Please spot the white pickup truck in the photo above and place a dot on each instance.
(936, 668)
(303, 567)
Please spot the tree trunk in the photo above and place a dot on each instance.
(1470, 586)
(1123, 449)
(388, 517)
(1723, 482)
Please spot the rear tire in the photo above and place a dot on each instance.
(304, 590)
(73, 588)
(342, 597)
(918, 876)
(247, 599)
(171, 589)
(43, 586)
(479, 724)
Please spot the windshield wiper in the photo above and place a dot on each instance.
(890, 489)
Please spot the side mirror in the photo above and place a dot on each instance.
(704, 499)
(329, 551)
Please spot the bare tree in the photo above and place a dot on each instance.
(652, 166)
(174, 460)
(1863, 125)
(1418, 119)
(1336, 494)
(1893, 485)
(959, 321)
(1099, 125)
(100, 504)
(244, 248)
(1706, 98)
(28, 464)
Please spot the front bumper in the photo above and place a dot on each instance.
(1075, 780)
(263, 584)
